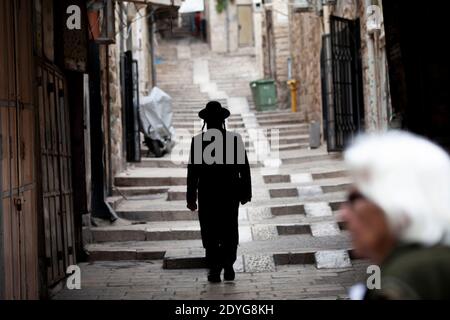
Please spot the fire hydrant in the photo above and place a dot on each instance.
(293, 86)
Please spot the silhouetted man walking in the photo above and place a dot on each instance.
(219, 176)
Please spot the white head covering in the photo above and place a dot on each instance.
(409, 178)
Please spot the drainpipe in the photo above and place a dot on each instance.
(108, 129)
(374, 119)
(326, 19)
(330, 139)
(152, 46)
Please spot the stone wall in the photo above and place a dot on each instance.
(217, 28)
(223, 28)
(137, 41)
(306, 43)
(110, 70)
(276, 48)
(281, 37)
(115, 121)
(259, 35)
(306, 49)
(140, 45)
(374, 68)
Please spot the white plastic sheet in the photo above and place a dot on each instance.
(156, 115)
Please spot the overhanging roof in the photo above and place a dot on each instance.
(175, 3)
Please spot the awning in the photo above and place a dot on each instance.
(192, 6)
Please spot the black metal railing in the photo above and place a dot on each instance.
(342, 93)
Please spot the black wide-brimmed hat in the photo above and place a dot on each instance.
(214, 111)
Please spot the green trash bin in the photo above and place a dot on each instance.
(264, 94)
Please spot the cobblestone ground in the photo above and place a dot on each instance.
(292, 244)
(148, 281)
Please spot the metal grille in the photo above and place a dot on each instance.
(342, 83)
(131, 83)
(55, 149)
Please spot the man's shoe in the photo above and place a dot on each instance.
(214, 277)
(229, 274)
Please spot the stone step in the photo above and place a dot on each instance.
(290, 146)
(311, 158)
(295, 192)
(165, 162)
(198, 124)
(281, 190)
(125, 235)
(252, 257)
(268, 230)
(189, 114)
(190, 117)
(275, 122)
(268, 115)
(140, 191)
(186, 116)
(122, 254)
(185, 148)
(158, 215)
(294, 177)
(148, 181)
(284, 138)
(177, 211)
(281, 139)
(332, 259)
(289, 163)
(169, 163)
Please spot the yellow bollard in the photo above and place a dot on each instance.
(293, 86)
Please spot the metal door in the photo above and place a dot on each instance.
(18, 214)
(56, 202)
(342, 83)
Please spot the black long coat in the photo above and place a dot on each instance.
(219, 187)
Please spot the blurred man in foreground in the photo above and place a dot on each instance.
(398, 214)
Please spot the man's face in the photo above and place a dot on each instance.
(367, 225)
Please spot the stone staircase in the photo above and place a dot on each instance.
(296, 191)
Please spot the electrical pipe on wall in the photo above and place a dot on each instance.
(373, 122)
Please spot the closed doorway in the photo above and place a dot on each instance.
(245, 20)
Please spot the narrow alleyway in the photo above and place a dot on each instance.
(291, 246)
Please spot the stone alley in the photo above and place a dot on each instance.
(100, 100)
(291, 244)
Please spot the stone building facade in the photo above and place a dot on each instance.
(276, 47)
(234, 29)
(308, 28)
(132, 25)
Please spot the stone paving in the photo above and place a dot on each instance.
(147, 281)
(292, 244)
